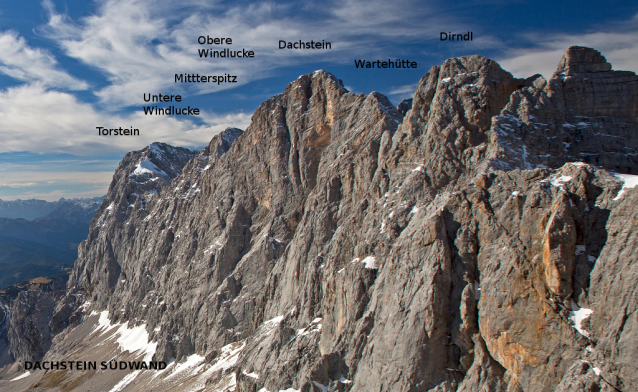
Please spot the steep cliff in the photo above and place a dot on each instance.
(481, 238)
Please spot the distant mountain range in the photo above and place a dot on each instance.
(40, 238)
(34, 208)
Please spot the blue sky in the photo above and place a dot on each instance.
(69, 66)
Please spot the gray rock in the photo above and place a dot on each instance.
(27, 324)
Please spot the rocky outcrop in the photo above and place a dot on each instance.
(139, 177)
(585, 113)
(404, 106)
(27, 322)
(5, 352)
(468, 243)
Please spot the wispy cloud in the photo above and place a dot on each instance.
(154, 40)
(24, 63)
(402, 90)
(17, 184)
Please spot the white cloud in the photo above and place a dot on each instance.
(60, 123)
(398, 93)
(403, 90)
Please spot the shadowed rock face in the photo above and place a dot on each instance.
(27, 323)
(348, 246)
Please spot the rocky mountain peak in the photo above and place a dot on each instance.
(580, 59)
(160, 162)
(447, 128)
(591, 89)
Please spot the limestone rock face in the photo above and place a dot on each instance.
(27, 322)
(592, 89)
(586, 113)
(579, 59)
(139, 178)
(473, 241)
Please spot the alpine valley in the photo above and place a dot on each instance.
(481, 237)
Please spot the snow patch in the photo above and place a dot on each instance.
(125, 381)
(445, 80)
(192, 362)
(133, 340)
(147, 167)
(195, 363)
(323, 388)
(20, 377)
(580, 249)
(559, 181)
(314, 326)
(369, 262)
(344, 380)
(577, 315)
(251, 375)
(269, 326)
(629, 182)
(103, 323)
(136, 339)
